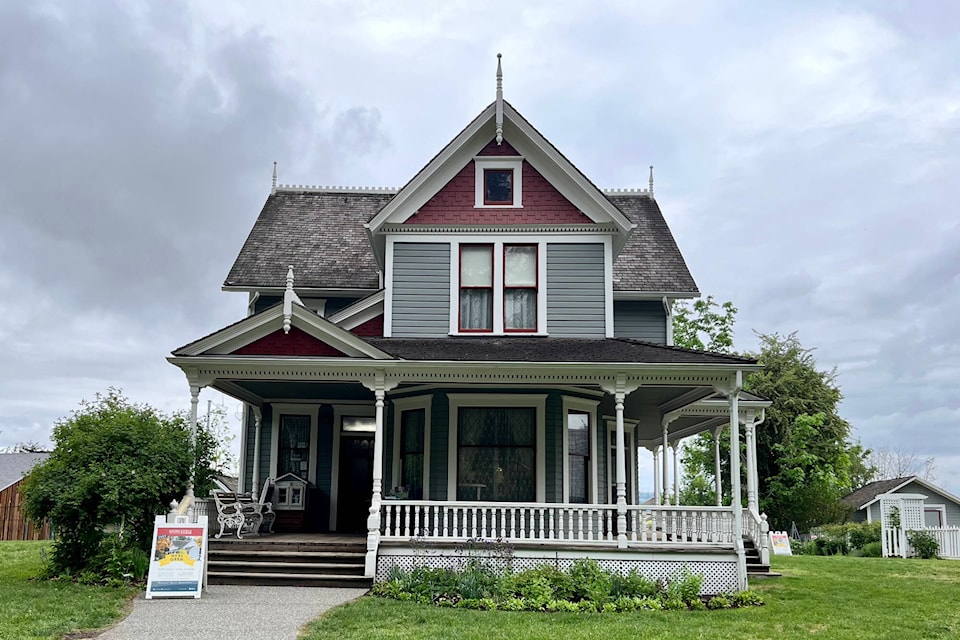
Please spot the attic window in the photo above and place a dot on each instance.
(497, 186)
(498, 181)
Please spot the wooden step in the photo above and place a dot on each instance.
(291, 556)
(298, 568)
(288, 579)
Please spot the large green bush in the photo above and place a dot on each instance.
(115, 465)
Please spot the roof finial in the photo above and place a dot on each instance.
(650, 191)
(273, 188)
(288, 297)
(499, 101)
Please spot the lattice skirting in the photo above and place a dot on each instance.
(719, 574)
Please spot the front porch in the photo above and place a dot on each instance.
(426, 457)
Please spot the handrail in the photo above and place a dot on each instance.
(561, 522)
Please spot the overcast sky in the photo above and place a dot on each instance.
(806, 159)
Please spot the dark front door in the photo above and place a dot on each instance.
(355, 487)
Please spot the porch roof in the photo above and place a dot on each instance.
(547, 349)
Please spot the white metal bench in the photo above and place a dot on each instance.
(241, 513)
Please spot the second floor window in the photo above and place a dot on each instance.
(515, 287)
(476, 287)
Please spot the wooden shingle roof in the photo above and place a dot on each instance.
(321, 233)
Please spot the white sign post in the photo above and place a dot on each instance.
(177, 558)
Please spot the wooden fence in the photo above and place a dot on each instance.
(13, 524)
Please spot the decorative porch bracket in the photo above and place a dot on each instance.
(620, 390)
(379, 385)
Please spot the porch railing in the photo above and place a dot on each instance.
(566, 523)
(755, 528)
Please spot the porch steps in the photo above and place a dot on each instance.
(302, 563)
(755, 568)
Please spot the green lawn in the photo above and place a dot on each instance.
(32, 608)
(831, 598)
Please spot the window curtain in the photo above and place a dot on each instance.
(496, 454)
(412, 425)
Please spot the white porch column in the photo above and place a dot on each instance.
(194, 401)
(621, 474)
(380, 386)
(736, 507)
(751, 465)
(656, 474)
(620, 390)
(666, 470)
(257, 423)
(373, 520)
(716, 465)
(676, 473)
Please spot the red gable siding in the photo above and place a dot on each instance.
(542, 203)
(372, 328)
(494, 149)
(295, 343)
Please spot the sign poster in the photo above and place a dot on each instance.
(780, 542)
(177, 558)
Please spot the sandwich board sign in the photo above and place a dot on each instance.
(177, 558)
(780, 543)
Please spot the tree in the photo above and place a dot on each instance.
(114, 466)
(888, 464)
(704, 325)
(806, 399)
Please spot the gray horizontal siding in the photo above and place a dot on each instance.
(575, 291)
(421, 290)
(640, 319)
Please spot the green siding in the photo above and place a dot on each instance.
(324, 462)
(553, 446)
(439, 445)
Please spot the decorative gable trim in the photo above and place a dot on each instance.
(530, 144)
(230, 340)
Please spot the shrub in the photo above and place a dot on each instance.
(631, 585)
(685, 586)
(115, 464)
(590, 582)
(863, 533)
(924, 544)
(872, 550)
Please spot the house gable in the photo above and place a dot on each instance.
(529, 145)
(271, 333)
(541, 203)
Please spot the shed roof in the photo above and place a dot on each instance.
(13, 466)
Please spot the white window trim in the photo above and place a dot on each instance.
(498, 244)
(590, 407)
(536, 401)
(511, 163)
(409, 404)
(942, 508)
(312, 410)
(340, 410)
(629, 428)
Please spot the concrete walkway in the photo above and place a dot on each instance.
(251, 613)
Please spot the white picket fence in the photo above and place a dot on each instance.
(949, 539)
(895, 542)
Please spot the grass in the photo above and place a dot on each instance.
(833, 598)
(31, 608)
